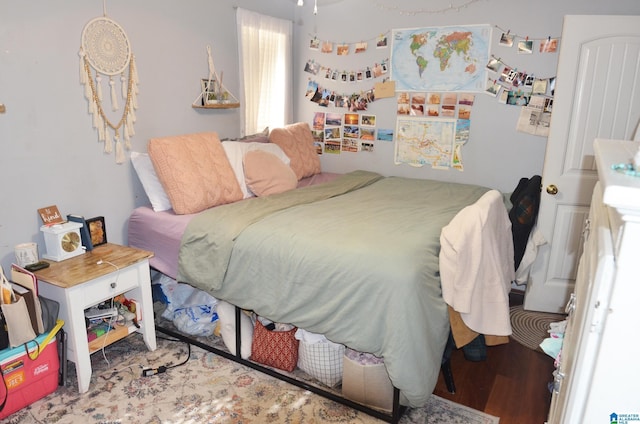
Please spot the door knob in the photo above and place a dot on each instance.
(552, 189)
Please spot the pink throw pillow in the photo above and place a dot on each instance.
(266, 174)
(297, 142)
(194, 171)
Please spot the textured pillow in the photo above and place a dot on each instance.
(236, 150)
(266, 174)
(194, 171)
(297, 142)
(152, 186)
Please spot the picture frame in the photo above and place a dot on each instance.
(208, 89)
(84, 230)
(97, 230)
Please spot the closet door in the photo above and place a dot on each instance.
(597, 96)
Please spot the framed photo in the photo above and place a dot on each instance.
(208, 88)
(97, 230)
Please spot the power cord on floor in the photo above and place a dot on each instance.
(148, 372)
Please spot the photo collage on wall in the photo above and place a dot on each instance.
(336, 132)
(345, 126)
(445, 104)
(515, 88)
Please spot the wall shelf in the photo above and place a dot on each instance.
(218, 106)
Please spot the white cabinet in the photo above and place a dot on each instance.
(598, 379)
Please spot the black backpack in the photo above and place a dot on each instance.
(525, 201)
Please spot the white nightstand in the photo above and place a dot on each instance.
(93, 277)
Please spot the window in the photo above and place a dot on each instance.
(264, 51)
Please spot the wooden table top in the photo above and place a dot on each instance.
(83, 268)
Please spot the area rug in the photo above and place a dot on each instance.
(201, 387)
(530, 328)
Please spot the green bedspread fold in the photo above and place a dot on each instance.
(355, 259)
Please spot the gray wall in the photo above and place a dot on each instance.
(49, 153)
(496, 155)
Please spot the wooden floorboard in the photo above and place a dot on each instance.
(512, 383)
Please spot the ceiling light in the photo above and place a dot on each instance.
(300, 2)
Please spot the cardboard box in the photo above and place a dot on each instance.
(368, 384)
(28, 380)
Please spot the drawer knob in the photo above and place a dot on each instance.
(113, 285)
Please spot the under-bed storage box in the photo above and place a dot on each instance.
(365, 380)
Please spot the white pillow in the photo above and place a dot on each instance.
(236, 150)
(227, 316)
(150, 182)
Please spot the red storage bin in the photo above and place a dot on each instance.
(27, 380)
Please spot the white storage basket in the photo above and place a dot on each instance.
(322, 360)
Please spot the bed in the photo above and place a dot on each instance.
(354, 257)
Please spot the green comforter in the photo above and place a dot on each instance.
(355, 259)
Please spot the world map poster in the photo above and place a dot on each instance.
(451, 58)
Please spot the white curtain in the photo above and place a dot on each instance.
(264, 51)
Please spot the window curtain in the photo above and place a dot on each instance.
(264, 51)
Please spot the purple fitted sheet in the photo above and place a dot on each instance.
(161, 232)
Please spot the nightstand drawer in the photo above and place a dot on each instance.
(110, 285)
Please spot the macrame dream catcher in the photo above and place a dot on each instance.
(106, 52)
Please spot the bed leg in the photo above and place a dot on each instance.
(445, 367)
(398, 409)
(238, 332)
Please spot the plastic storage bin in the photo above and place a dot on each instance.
(27, 380)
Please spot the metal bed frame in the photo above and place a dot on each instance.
(397, 409)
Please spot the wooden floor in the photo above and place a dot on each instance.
(512, 383)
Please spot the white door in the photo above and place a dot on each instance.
(597, 96)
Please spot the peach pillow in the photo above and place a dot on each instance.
(266, 174)
(297, 142)
(194, 171)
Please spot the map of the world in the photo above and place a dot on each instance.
(450, 58)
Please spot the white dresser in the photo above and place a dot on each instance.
(598, 379)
